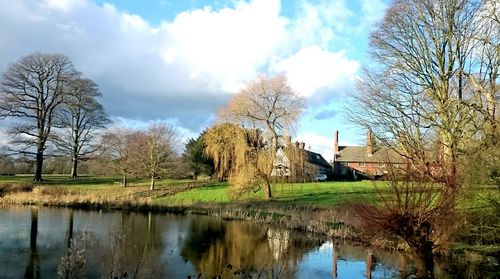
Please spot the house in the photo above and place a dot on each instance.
(319, 162)
(369, 161)
(297, 163)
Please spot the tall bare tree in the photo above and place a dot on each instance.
(269, 105)
(418, 91)
(31, 92)
(80, 119)
(431, 94)
(158, 150)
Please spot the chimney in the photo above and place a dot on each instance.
(297, 144)
(369, 143)
(335, 144)
(303, 145)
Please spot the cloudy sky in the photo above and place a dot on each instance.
(181, 60)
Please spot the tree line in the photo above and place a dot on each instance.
(52, 109)
(55, 116)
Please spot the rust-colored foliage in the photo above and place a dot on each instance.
(420, 212)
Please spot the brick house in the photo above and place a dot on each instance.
(358, 162)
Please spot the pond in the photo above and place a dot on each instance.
(38, 242)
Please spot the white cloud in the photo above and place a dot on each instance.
(63, 5)
(373, 10)
(183, 69)
(226, 47)
(320, 23)
(312, 69)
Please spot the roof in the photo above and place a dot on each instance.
(359, 154)
(316, 159)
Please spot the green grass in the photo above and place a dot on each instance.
(321, 194)
(327, 193)
(324, 193)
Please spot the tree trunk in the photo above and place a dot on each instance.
(124, 181)
(267, 189)
(38, 166)
(152, 183)
(426, 263)
(74, 168)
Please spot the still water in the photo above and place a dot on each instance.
(35, 243)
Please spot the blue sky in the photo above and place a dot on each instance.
(180, 61)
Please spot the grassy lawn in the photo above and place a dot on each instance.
(323, 193)
(318, 193)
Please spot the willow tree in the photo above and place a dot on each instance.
(268, 108)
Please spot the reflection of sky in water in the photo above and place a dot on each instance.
(170, 237)
(319, 264)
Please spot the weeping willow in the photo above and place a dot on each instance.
(240, 155)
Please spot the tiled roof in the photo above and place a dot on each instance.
(316, 158)
(359, 154)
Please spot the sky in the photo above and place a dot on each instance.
(180, 61)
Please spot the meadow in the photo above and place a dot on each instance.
(309, 194)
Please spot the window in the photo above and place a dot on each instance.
(381, 164)
(361, 164)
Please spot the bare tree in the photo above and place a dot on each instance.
(80, 119)
(418, 93)
(271, 106)
(31, 92)
(158, 150)
(430, 94)
(122, 147)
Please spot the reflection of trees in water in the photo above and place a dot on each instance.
(131, 248)
(237, 249)
(134, 247)
(33, 267)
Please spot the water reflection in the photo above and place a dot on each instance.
(229, 249)
(33, 268)
(35, 242)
